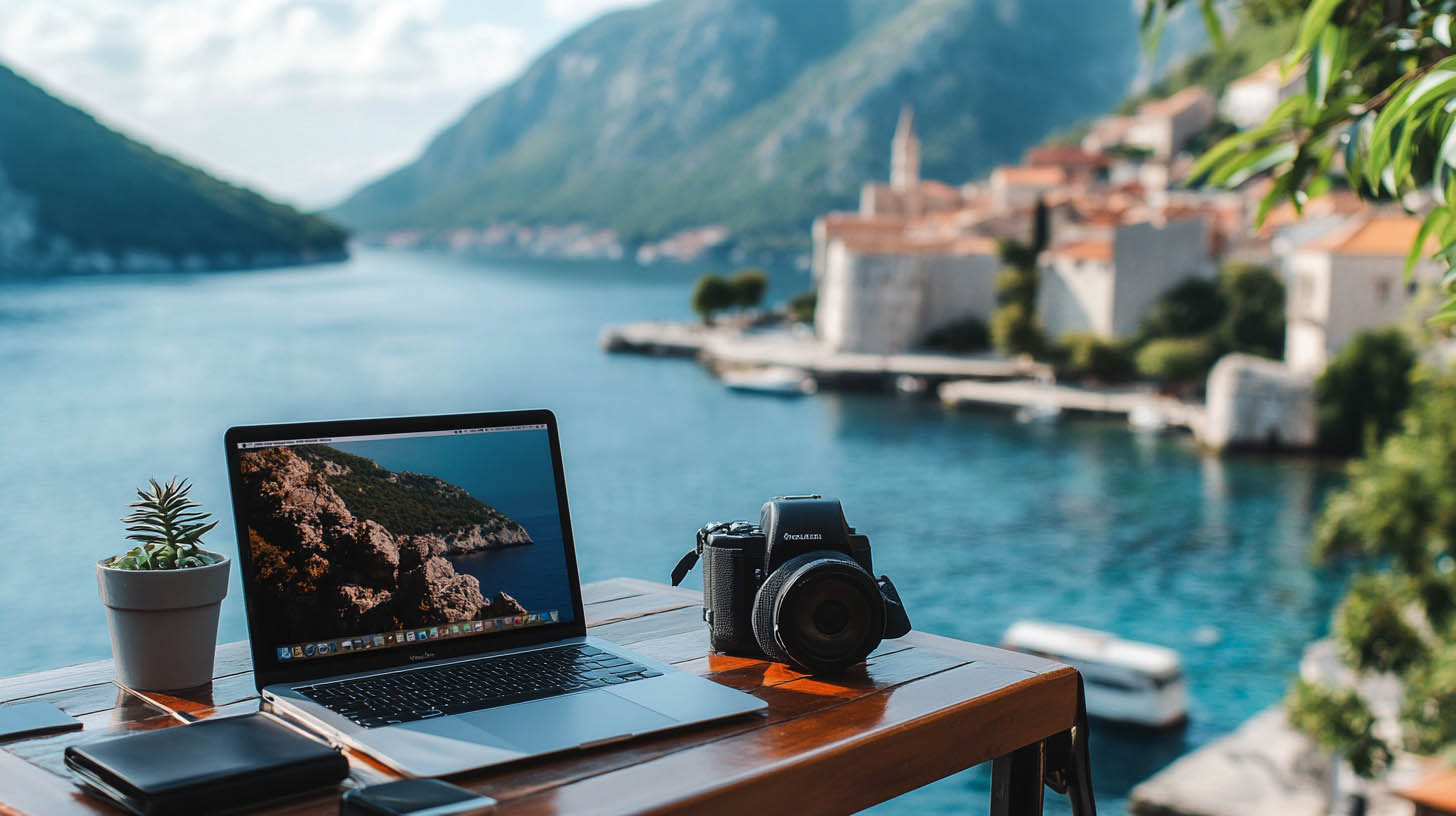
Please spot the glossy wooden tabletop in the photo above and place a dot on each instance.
(922, 707)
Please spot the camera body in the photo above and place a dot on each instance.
(797, 587)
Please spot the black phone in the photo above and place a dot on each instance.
(33, 719)
(414, 796)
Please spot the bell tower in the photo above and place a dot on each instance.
(905, 153)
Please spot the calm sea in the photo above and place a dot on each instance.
(105, 381)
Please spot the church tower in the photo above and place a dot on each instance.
(905, 153)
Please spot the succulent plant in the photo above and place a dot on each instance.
(168, 529)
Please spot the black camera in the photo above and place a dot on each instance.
(798, 587)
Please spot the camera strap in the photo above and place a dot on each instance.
(684, 566)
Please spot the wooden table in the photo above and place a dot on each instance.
(921, 708)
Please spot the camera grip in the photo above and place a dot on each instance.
(728, 591)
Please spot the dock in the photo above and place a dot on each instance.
(1109, 403)
(722, 348)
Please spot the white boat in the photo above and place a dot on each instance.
(910, 385)
(778, 380)
(1044, 411)
(1147, 418)
(1126, 681)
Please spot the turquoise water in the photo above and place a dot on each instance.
(105, 381)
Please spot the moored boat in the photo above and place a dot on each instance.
(776, 380)
(1126, 681)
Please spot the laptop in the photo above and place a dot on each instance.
(412, 593)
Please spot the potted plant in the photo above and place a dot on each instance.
(163, 596)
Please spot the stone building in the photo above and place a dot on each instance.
(1349, 280)
(1165, 126)
(1106, 285)
(884, 294)
(907, 195)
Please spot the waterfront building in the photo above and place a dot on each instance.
(1161, 127)
(1249, 100)
(1349, 280)
(1105, 285)
(1018, 188)
(882, 294)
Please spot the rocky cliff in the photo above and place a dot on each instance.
(318, 561)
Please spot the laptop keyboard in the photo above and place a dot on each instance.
(418, 694)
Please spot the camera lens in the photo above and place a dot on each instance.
(820, 611)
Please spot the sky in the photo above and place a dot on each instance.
(302, 100)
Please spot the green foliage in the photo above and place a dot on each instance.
(748, 287)
(1339, 720)
(1017, 284)
(965, 335)
(1398, 514)
(1175, 360)
(802, 306)
(712, 294)
(104, 191)
(1428, 713)
(1087, 355)
(404, 503)
(1253, 321)
(1362, 391)
(1190, 308)
(1374, 112)
(1015, 330)
(168, 530)
(1370, 625)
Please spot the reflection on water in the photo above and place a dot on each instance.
(979, 520)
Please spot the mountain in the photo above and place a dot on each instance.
(757, 114)
(75, 194)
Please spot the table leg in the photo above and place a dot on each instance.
(1016, 781)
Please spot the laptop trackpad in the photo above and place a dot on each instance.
(566, 721)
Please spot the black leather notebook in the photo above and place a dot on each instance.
(212, 766)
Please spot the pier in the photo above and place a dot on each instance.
(723, 348)
(1111, 403)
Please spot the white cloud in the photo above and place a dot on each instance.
(304, 99)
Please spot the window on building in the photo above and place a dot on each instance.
(1382, 290)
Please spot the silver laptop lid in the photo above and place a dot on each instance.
(369, 544)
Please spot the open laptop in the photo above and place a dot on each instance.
(412, 593)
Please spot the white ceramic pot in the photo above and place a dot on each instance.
(163, 623)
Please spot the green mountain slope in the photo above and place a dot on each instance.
(757, 114)
(75, 194)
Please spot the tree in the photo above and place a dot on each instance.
(964, 335)
(1086, 355)
(1363, 390)
(1014, 330)
(1375, 113)
(1014, 325)
(748, 287)
(1041, 226)
(802, 306)
(1191, 308)
(1397, 518)
(1253, 322)
(712, 294)
(1175, 360)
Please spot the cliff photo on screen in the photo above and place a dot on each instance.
(341, 545)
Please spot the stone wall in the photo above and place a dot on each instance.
(1256, 403)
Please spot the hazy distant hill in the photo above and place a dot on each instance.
(757, 114)
(77, 195)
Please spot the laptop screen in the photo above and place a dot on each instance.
(363, 544)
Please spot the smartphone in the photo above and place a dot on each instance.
(417, 796)
(33, 719)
